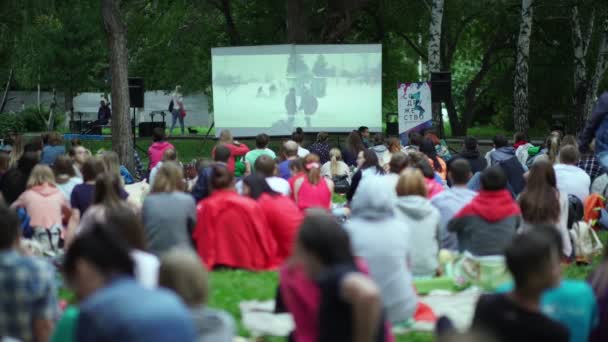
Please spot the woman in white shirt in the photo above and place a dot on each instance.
(65, 176)
(335, 167)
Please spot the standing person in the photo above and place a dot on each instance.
(596, 128)
(364, 134)
(202, 189)
(169, 214)
(248, 244)
(158, 147)
(65, 176)
(236, 149)
(291, 153)
(452, 200)
(298, 137)
(312, 190)
(351, 306)
(534, 264)
(54, 149)
(590, 164)
(335, 168)
(101, 271)
(321, 147)
(542, 204)
(502, 150)
(261, 149)
(422, 217)
(104, 114)
(381, 238)
(571, 179)
(436, 162)
(354, 145)
(267, 168)
(368, 165)
(487, 224)
(17, 150)
(28, 300)
(14, 181)
(282, 214)
(181, 271)
(470, 152)
(178, 112)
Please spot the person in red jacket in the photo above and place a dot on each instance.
(231, 230)
(282, 214)
(236, 149)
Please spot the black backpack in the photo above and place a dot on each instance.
(171, 106)
(341, 185)
(576, 210)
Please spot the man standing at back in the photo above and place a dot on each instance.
(597, 127)
(28, 296)
(261, 148)
(451, 201)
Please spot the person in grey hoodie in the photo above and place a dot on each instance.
(384, 155)
(422, 217)
(379, 236)
(502, 151)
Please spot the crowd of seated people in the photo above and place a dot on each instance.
(264, 210)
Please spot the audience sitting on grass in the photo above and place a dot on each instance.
(502, 151)
(231, 230)
(170, 155)
(311, 190)
(65, 176)
(387, 244)
(440, 147)
(336, 169)
(290, 153)
(542, 203)
(368, 165)
(14, 181)
(436, 162)
(267, 168)
(399, 162)
(158, 147)
(470, 152)
(521, 146)
(181, 271)
(237, 149)
(79, 155)
(83, 194)
(261, 149)
(431, 179)
(282, 215)
(452, 200)
(321, 147)
(363, 132)
(487, 224)
(52, 149)
(298, 137)
(112, 165)
(422, 218)
(202, 189)
(354, 146)
(169, 214)
(571, 179)
(16, 151)
(382, 152)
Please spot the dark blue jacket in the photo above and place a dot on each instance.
(596, 127)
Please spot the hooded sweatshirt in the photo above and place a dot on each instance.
(423, 219)
(384, 156)
(44, 204)
(156, 150)
(379, 236)
(501, 154)
(476, 161)
(487, 224)
(596, 127)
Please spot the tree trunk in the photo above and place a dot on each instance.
(122, 138)
(8, 86)
(580, 68)
(601, 65)
(233, 33)
(297, 22)
(68, 103)
(434, 52)
(458, 129)
(520, 92)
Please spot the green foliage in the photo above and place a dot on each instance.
(10, 122)
(35, 121)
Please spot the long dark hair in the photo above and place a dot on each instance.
(221, 178)
(354, 143)
(257, 186)
(371, 160)
(539, 201)
(428, 148)
(321, 235)
(107, 190)
(128, 225)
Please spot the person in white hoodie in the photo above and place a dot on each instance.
(380, 238)
(382, 152)
(423, 219)
(571, 179)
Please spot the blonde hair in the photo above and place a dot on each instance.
(16, 152)
(170, 178)
(111, 164)
(40, 175)
(335, 156)
(411, 183)
(552, 144)
(225, 137)
(181, 270)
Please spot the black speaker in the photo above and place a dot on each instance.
(441, 86)
(146, 129)
(136, 92)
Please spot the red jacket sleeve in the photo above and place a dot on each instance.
(238, 151)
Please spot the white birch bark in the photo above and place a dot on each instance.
(434, 52)
(601, 65)
(520, 92)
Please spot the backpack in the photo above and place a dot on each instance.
(585, 242)
(594, 203)
(48, 239)
(575, 210)
(171, 106)
(341, 184)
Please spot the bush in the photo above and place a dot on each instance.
(35, 121)
(10, 122)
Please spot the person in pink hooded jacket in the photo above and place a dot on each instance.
(158, 147)
(43, 201)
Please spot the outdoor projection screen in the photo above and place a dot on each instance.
(276, 88)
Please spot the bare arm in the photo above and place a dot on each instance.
(364, 296)
(42, 330)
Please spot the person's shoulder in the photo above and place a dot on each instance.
(493, 301)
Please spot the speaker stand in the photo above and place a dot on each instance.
(209, 130)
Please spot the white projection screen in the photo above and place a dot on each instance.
(276, 88)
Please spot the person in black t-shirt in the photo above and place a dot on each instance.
(534, 262)
(351, 307)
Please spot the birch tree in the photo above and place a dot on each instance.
(434, 52)
(580, 46)
(601, 65)
(520, 92)
(116, 32)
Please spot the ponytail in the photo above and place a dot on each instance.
(553, 149)
(333, 166)
(313, 168)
